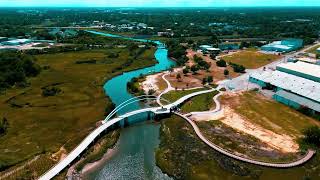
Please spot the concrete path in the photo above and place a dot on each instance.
(96, 133)
(301, 161)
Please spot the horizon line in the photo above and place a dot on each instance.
(303, 6)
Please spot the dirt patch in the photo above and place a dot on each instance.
(282, 142)
(60, 155)
(152, 82)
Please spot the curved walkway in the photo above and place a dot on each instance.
(301, 161)
(216, 110)
(170, 88)
(96, 133)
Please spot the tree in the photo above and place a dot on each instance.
(204, 65)
(194, 69)
(185, 71)
(213, 56)
(210, 79)
(312, 136)
(221, 63)
(179, 77)
(197, 59)
(226, 72)
(151, 91)
(204, 81)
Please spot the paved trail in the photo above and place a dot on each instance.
(301, 161)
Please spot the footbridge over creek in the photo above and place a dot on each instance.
(109, 122)
(167, 109)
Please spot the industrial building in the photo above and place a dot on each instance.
(295, 84)
(229, 46)
(16, 42)
(301, 69)
(287, 45)
(209, 49)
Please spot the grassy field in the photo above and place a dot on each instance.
(203, 102)
(173, 96)
(39, 124)
(269, 114)
(314, 50)
(183, 156)
(251, 59)
(241, 143)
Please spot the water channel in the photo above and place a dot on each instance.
(134, 157)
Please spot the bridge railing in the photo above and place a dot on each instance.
(131, 101)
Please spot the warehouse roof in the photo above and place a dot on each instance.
(302, 67)
(298, 85)
(300, 100)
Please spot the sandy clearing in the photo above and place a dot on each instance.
(227, 116)
(282, 142)
(151, 82)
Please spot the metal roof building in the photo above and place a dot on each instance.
(291, 83)
(286, 45)
(301, 69)
(295, 101)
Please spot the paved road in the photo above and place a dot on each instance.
(301, 161)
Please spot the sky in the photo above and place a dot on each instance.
(156, 3)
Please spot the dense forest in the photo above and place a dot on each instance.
(15, 67)
(265, 23)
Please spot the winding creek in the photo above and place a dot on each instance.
(134, 157)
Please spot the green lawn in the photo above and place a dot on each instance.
(203, 102)
(40, 124)
(173, 96)
(251, 59)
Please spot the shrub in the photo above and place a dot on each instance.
(238, 68)
(226, 72)
(194, 69)
(50, 91)
(221, 63)
(312, 136)
(3, 126)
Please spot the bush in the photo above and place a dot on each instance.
(50, 91)
(204, 65)
(226, 72)
(221, 63)
(3, 126)
(312, 136)
(113, 55)
(194, 69)
(238, 68)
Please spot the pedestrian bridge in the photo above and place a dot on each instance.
(108, 122)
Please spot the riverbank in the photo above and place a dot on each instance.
(135, 149)
(96, 155)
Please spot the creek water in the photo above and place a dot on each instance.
(134, 157)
